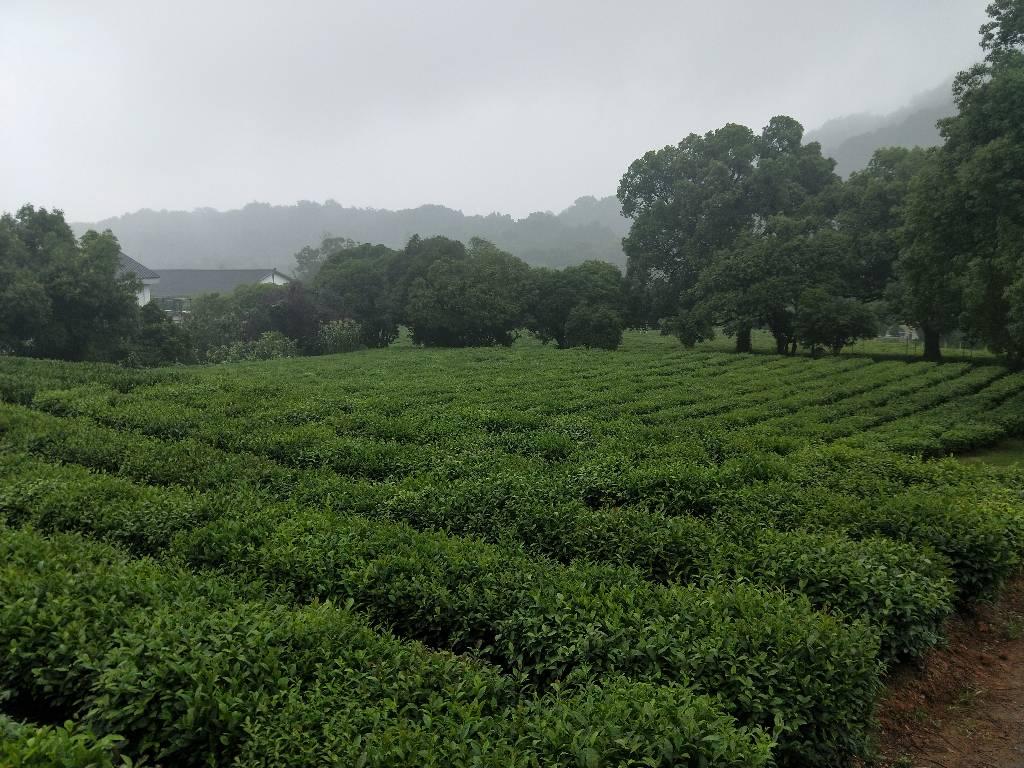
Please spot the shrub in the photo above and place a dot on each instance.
(339, 336)
(832, 321)
(191, 670)
(593, 326)
(270, 345)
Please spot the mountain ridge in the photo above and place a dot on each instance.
(851, 140)
(591, 228)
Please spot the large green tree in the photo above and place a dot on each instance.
(826, 320)
(760, 279)
(555, 294)
(700, 208)
(871, 215)
(311, 259)
(984, 152)
(472, 298)
(927, 290)
(60, 297)
(686, 202)
(961, 261)
(355, 283)
(250, 311)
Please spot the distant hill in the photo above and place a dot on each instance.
(591, 228)
(851, 140)
(269, 235)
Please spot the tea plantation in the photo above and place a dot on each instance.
(487, 557)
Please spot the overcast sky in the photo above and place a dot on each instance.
(109, 106)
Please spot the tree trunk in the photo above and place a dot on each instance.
(743, 340)
(781, 344)
(932, 345)
(792, 350)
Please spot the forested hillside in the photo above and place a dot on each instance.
(263, 234)
(852, 140)
(590, 229)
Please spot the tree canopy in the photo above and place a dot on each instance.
(61, 297)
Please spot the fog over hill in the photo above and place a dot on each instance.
(261, 234)
(269, 235)
(852, 139)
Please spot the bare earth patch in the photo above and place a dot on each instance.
(964, 706)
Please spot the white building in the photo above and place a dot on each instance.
(129, 266)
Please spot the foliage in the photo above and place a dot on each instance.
(251, 311)
(762, 279)
(269, 345)
(685, 202)
(67, 746)
(871, 214)
(60, 297)
(159, 340)
(828, 321)
(668, 516)
(196, 671)
(554, 295)
(702, 207)
(337, 336)
(593, 327)
(309, 261)
(983, 153)
(730, 229)
(927, 290)
(462, 297)
(353, 285)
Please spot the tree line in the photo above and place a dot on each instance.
(63, 297)
(736, 230)
(731, 231)
(445, 292)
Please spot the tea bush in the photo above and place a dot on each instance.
(188, 672)
(602, 539)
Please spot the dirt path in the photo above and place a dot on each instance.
(965, 707)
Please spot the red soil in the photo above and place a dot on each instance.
(964, 705)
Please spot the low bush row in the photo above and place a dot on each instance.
(803, 490)
(966, 423)
(189, 672)
(980, 542)
(23, 377)
(901, 589)
(775, 662)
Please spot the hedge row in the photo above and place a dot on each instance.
(981, 541)
(902, 590)
(384, 446)
(975, 420)
(189, 673)
(21, 378)
(792, 492)
(373, 444)
(885, 384)
(774, 661)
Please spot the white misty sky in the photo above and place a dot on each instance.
(107, 106)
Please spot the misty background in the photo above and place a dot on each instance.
(164, 121)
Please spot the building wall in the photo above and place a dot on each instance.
(146, 294)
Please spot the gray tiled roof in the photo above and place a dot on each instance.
(128, 265)
(181, 283)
